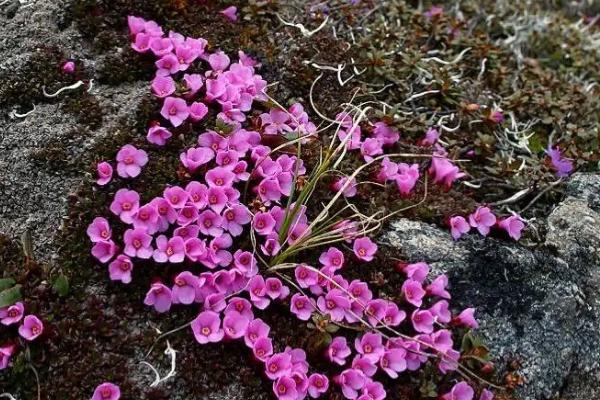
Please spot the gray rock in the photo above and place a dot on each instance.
(540, 305)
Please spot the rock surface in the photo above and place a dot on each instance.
(540, 305)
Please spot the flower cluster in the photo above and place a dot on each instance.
(30, 328)
(483, 219)
(195, 225)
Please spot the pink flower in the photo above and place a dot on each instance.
(235, 324)
(219, 177)
(210, 223)
(497, 116)
(275, 122)
(245, 262)
(278, 365)
(563, 166)
(438, 287)
(434, 12)
(413, 292)
(393, 315)
(441, 312)
(349, 190)
(467, 318)
(460, 391)
(105, 173)
(120, 269)
(138, 243)
(370, 346)
(68, 67)
(486, 395)
(193, 83)
(373, 391)
(219, 61)
(195, 157)
(257, 329)
(6, 352)
(166, 213)
(301, 306)
(125, 205)
(370, 148)
(176, 196)
(317, 385)
(335, 303)
(161, 46)
(458, 227)
(159, 296)
(107, 391)
(99, 230)
(449, 361)
(482, 219)
(442, 340)
(375, 311)
(158, 135)
(422, 321)
(169, 250)
(163, 86)
(231, 13)
(175, 110)
(364, 249)
(417, 271)
(262, 348)
(513, 225)
(31, 328)
(198, 111)
(185, 288)
(351, 381)
(216, 198)
(12, 314)
(285, 388)
(333, 257)
(234, 218)
(389, 170)
(275, 289)
(147, 218)
(431, 137)
(167, 65)
(305, 276)
(130, 161)
(444, 171)
(207, 328)
(105, 250)
(338, 350)
(141, 43)
(194, 248)
(263, 223)
(407, 177)
(393, 361)
(387, 134)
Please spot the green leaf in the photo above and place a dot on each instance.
(8, 297)
(6, 283)
(61, 286)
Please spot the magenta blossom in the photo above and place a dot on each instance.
(407, 177)
(438, 287)
(125, 204)
(373, 391)
(460, 391)
(235, 324)
(195, 157)
(458, 227)
(120, 269)
(317, 385)
(370, 148)
(351, 381)
(441, 312)
(335, 303)
(486, 395)
(234, 218)
(482, 219)
(338, 350)
(198, 111)
(422, 321)
(262, 348)
(416, 271)
(513, 225)
(333, 257)
(444, 171)
(413, 292)
(257, 329)
(230, 13)
(105, 173)
(138, 243)
(563, 166)
(278, 365)
(349, 189)
(130, 161)
(285, 388)
(185, 288)
(68, 67)
(370, 346)
(176, 196)
(12, 314)
(99, 230)
(207, 328)
(163, 86)
(107, 391)
(393, 361)
(263, 223)
(31, 328)
(467, 318)
(364, 249)
(105, 250)
(159, 296)
(301, 306)
(6, 352)
(175, 110)
(158, 135)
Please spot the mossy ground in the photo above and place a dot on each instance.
(101, 330)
